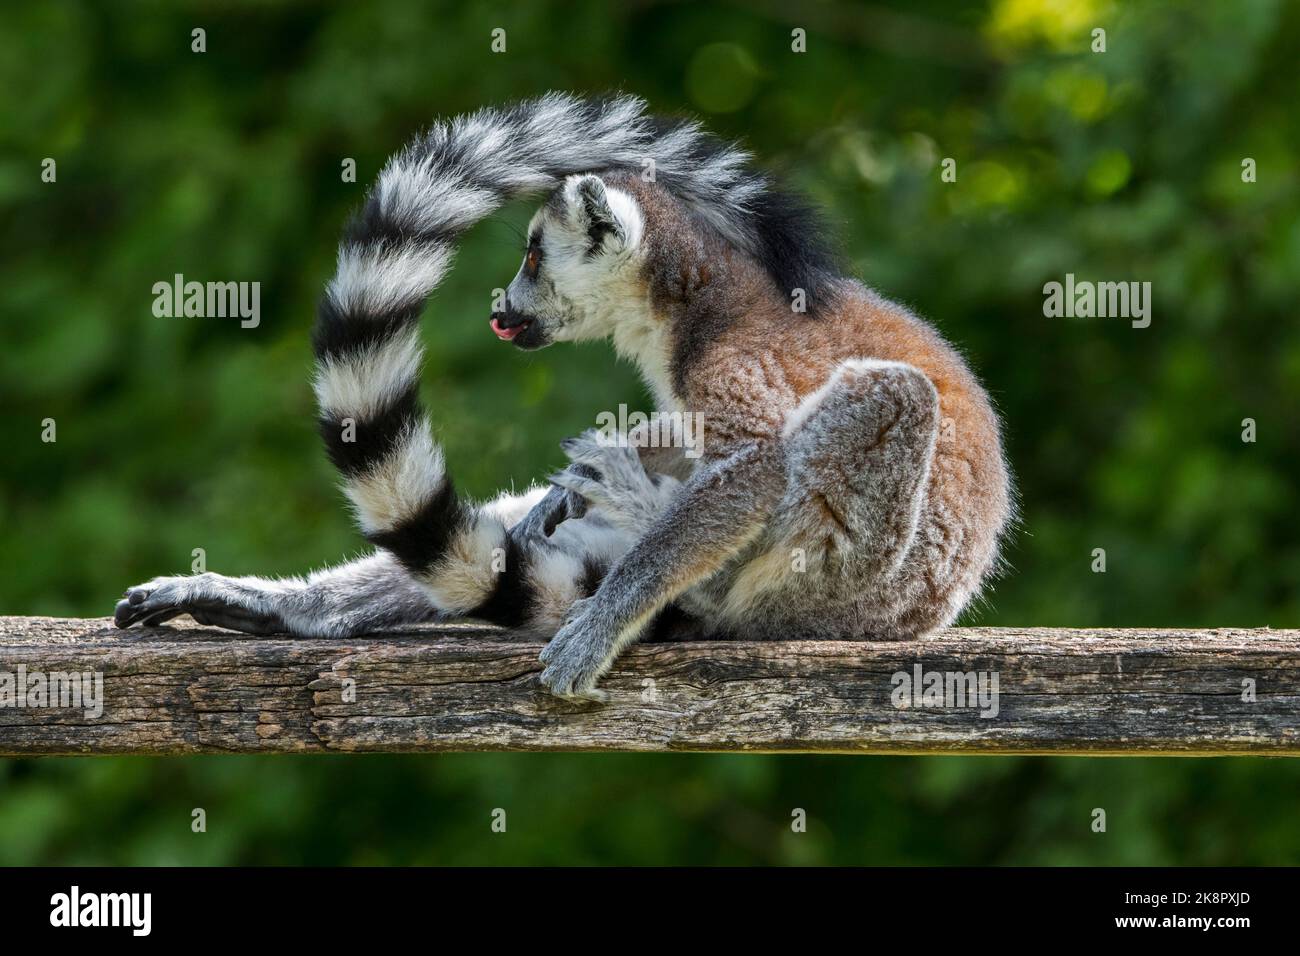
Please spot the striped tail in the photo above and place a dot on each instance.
(368, 352)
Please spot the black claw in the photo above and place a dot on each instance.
(122, 614)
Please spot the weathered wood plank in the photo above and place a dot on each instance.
(465, 688)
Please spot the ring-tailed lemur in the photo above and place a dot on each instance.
(851, 482)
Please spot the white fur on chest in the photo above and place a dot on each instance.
(642, 339)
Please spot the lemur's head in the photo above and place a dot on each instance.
(582, 269)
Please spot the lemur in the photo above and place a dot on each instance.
(851, 482)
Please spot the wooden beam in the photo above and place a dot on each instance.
(191, 689)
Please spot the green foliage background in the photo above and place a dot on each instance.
(183, 433)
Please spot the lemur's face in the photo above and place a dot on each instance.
(582, 269)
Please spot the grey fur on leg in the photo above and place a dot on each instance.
(859, 458)
(361, 596)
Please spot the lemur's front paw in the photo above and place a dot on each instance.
(555, 508)
(577, 655)
(158, 601)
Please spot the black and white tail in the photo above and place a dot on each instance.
(368, 352)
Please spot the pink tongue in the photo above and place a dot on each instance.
(506, 334)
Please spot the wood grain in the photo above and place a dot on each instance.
(189, 689)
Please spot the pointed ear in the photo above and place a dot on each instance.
(594, 214)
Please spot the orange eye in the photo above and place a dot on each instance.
(532, 261)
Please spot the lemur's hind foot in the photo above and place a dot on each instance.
(608, 475)
(204, 597)
(363, 596)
